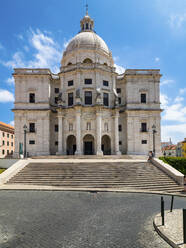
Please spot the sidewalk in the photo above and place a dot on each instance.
(172, 231)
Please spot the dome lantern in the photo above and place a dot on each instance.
(87, 24)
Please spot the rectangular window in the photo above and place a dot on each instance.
(3, 134)
(32, 98)
(12, 144)
(143, 98)
(88, 126)
(56, 128)
(70, 99)
(120, 143)
(88, 81)
(12, 136)
(7, 143)
(70, 83)
(32, 127)
(144, 127)
(119, 100)
(106, 99)
(118, 90)
(56, 100)
(105, 83)
(56, 143)
(31, 142)
(7, 135)
(56, 90)
(70, 127)
(7, 152)
(3, 152)
(120, 128)
(3, 142)
(144, 142)
(88, 97)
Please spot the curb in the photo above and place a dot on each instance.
(163, 236)
(94, 190)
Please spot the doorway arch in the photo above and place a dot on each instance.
(106, 145)
(88, 144)
(71, 145)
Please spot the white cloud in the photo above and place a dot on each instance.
(10, 80)
(176, 21)
(164, 100)
(6, 96)
(167, 82)
(116, 58)
(182, 91)
(176, 132)
(47, 53)
(11, 123)
(179, 99)
(66, 42)
(119, 69)
(175, 112)
(157, 59)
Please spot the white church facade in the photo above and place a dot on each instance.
(87, 108)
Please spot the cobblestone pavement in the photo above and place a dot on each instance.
(39, 219)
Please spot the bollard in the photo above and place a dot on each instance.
(162, 211)
(172, 202)
(184, 226)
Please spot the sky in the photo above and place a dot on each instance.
(141, 34)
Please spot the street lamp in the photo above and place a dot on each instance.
(154, 131)
(25, 131)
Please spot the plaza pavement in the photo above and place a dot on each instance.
(45, 219)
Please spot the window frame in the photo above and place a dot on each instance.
(32, 127)
(88, 99)
(143, 127)
(88, 81)
(106, 83)
(70, 83)
(32, 142)
(32, 97)
(106, 99)
(143, 100)
(70, 99)
(56, 90)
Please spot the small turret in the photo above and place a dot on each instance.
(87, 24)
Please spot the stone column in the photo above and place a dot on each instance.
(60, 136)
(116, 117)
(98, 133)
(78, 133)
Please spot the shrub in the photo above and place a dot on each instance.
(177, 162)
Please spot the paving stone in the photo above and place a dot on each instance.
(43, 219)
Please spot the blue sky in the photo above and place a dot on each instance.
(141, 34)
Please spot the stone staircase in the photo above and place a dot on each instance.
(118, 175)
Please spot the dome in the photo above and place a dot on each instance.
(88, 40)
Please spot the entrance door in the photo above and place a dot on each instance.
(88, 148)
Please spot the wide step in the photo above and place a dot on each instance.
(139, 176)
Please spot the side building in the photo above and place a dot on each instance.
(6, 140)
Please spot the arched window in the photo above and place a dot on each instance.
(87, 61)
(86, 25)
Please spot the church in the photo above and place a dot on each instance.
(87, 108)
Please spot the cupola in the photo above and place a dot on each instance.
(87, 24)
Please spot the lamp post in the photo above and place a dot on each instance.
(154, 131)
(25, 131)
